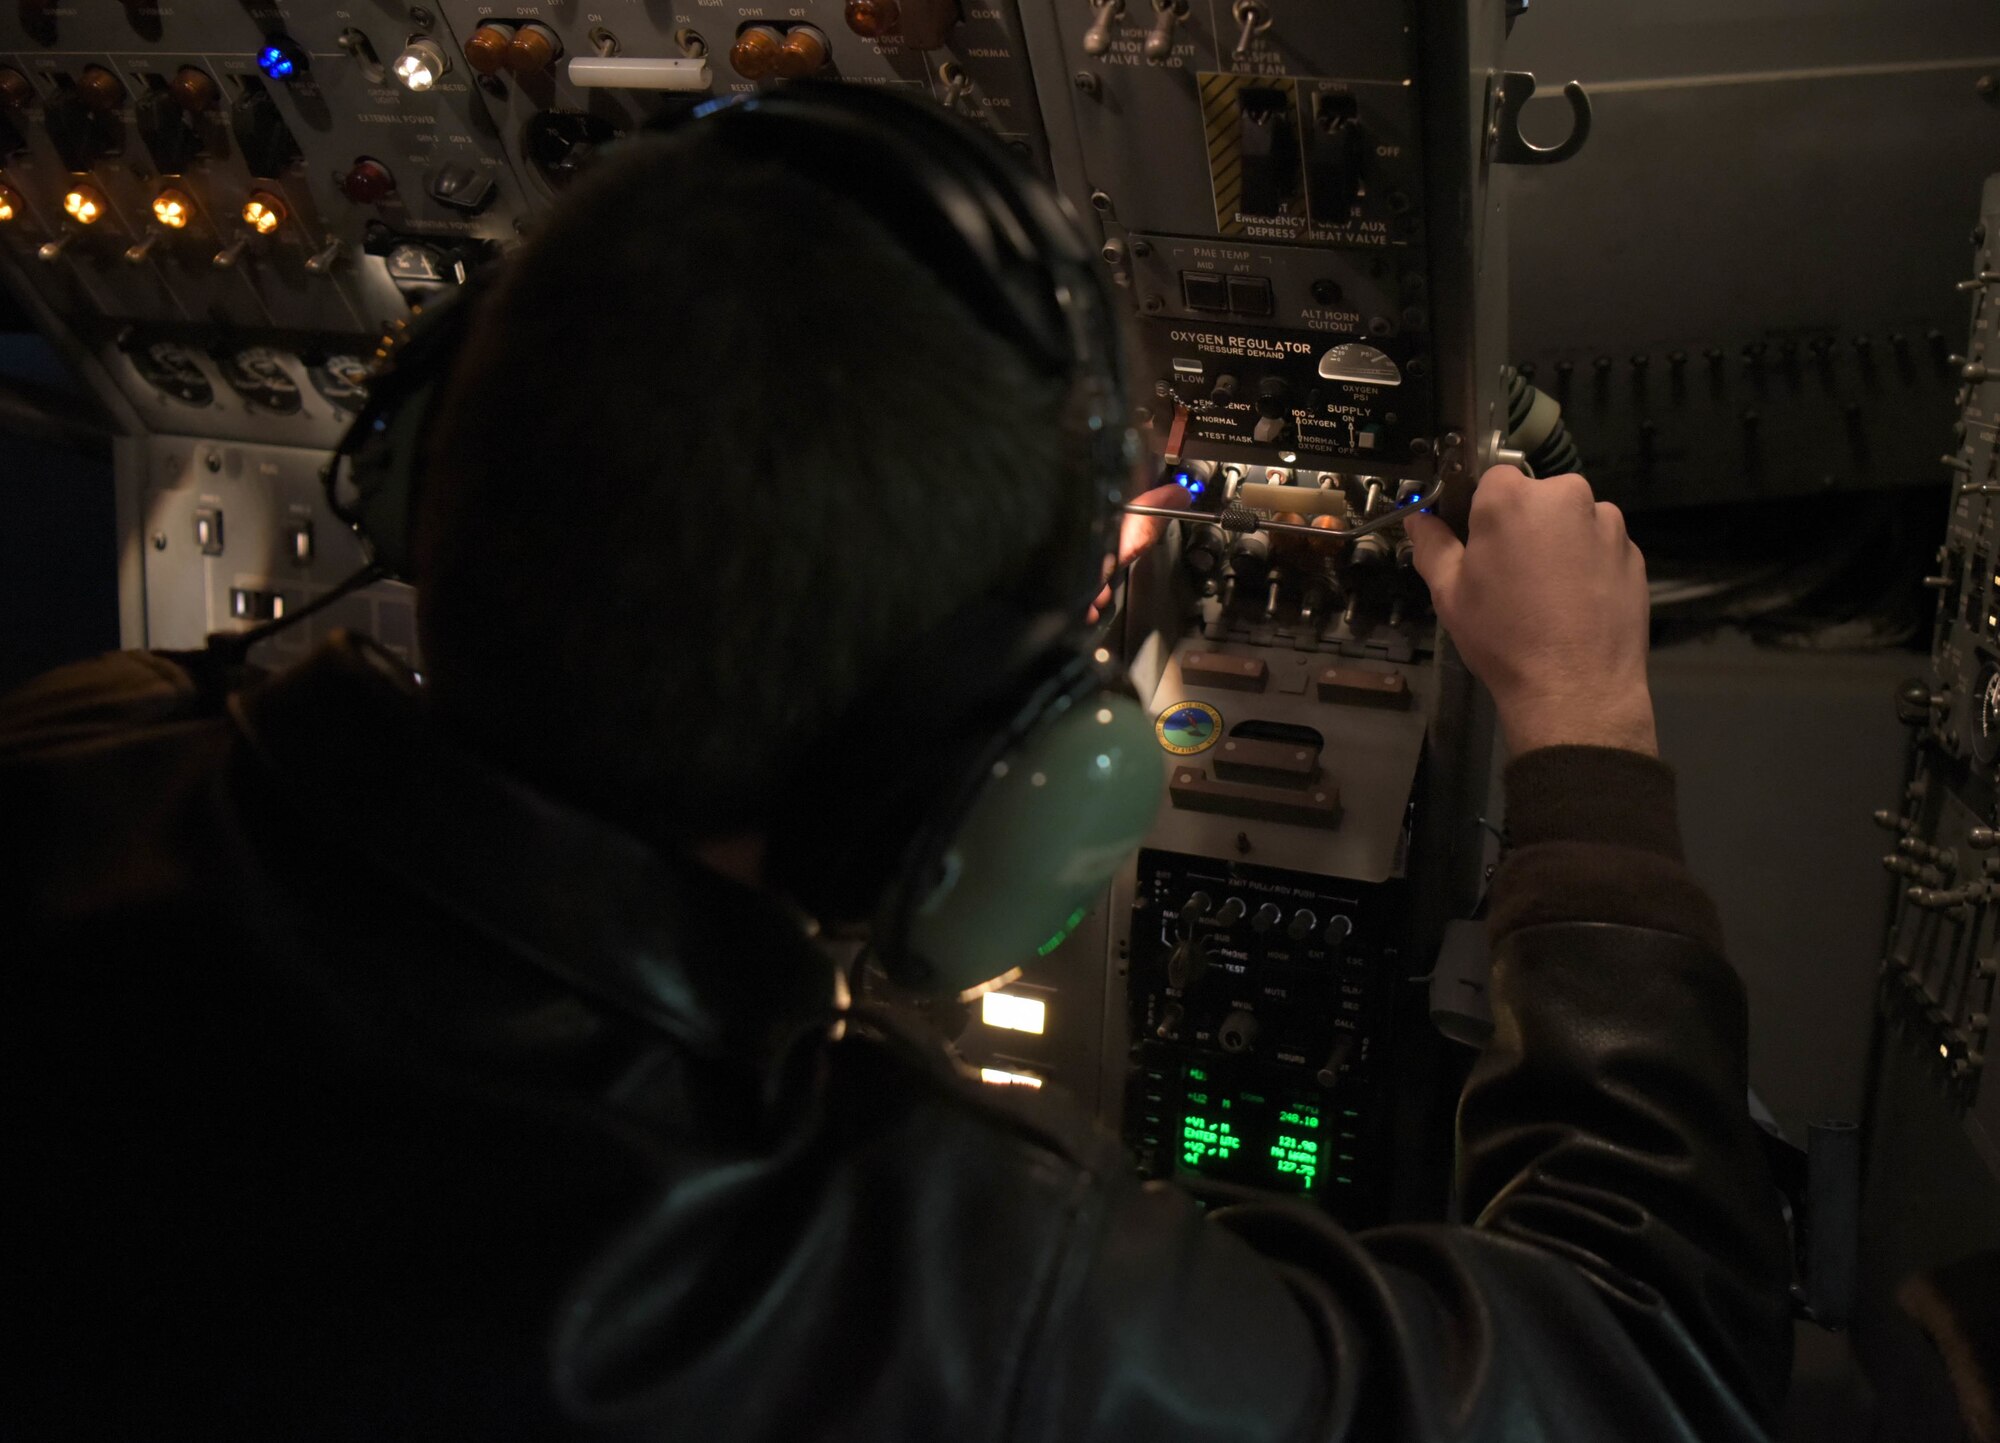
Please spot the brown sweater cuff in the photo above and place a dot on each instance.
(1593, 794)
(1595, 837)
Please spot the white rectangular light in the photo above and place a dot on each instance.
(1000, 1077)
(1013, 1012)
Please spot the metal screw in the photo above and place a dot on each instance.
(1152, 305)
(1100, 202)
(1087, 84)
(421, 18)
(1141, 249)
(159, 541)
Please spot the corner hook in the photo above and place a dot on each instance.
(1510, 147)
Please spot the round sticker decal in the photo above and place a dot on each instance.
(1188, 727)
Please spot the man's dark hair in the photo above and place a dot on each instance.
(717, 450)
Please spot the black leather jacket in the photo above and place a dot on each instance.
(354, 1093)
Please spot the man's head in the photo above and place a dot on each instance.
(717, 452)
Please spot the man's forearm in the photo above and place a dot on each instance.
(1594, 837)
(1607, 1121)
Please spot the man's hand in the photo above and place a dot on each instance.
(1140, 534)
(1547, 604)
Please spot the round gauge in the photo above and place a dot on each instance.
(1986, 716)
(172, 369)
(1188, 727)
(343, 380)
(257, 376)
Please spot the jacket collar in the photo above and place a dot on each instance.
(723, 970)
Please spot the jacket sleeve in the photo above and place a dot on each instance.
(1627, 1274)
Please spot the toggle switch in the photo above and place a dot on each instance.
(1097, 39)
(1337, 1059)
(136, 253)
(1187, 963)
(246, 604)
(461, 187)
(208, 530)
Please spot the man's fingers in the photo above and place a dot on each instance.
(1140, 534)
(1438, 555)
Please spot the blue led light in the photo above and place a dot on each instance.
(276, 61)
(1190, 483)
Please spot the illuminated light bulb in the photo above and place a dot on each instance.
(803, 54)
(172, 208)
(755, 53)
(421, 66)
(486, 49)
(84, 205)
(283, 58)
(263, 212)
(10, 205)
(873, 18)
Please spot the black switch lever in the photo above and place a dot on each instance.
(1187, 963)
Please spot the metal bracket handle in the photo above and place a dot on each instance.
(1513, 91)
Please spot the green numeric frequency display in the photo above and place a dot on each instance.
(1243, 1137)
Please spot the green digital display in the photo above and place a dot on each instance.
(1245, 1136)
(1075, 921)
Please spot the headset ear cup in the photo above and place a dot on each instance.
(1049, 827)
(375, 490)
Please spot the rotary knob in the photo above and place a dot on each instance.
(367, 182)
(1238, 1032)
(1338, 930)
(1268, 916)
(1304, 924)
(1274, 398)
(1231, 913)
(1196, 907)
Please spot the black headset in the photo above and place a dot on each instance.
(972, 852)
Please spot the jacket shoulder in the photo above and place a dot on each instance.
(89, 701)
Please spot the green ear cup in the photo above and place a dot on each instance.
(1058, 817)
